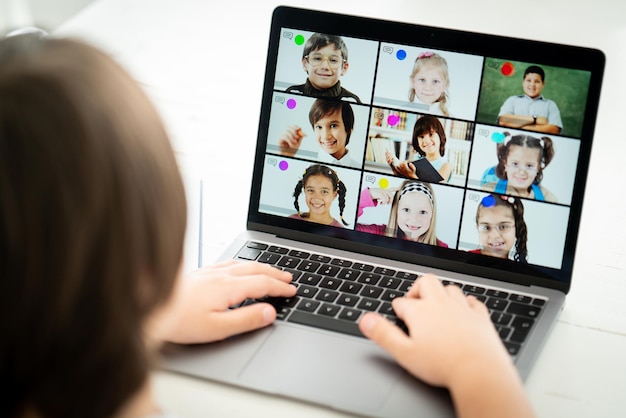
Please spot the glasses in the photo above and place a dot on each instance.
(501, 228)
(530, 169)
(316, 60)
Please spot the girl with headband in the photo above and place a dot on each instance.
(412, 216)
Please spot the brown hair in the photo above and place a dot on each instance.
(543, 145)
(92, 222)
(425, 125)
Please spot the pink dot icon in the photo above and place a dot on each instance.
(393, 120)
(291, 104)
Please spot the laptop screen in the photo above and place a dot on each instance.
(450, 149)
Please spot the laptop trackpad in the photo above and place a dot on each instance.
(295, 362)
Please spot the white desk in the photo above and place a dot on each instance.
(198, 59)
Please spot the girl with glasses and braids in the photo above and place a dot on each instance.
(320, 185)
(501, 228)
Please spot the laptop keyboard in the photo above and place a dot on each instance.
(333, 293)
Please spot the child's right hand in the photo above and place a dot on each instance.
(289, 142)
(452, 343)
(383, 196)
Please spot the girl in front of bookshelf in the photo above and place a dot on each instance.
(521, 161)
(429, 141)
(321, 187)
(412, 215)
(429, 84)
(501, 228)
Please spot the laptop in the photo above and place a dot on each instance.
(321, 206)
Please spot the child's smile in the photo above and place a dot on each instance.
(414, 215)
(496, 231)
(331, 134)
(325, 74)
(522, 165)
(429, 143)
(429, 85)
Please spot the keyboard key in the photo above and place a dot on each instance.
(500, 318)
(369, 278)
(299, 254)
(323, 322)
(405, 275)
(368, 304)
(328, 309)
(341, 262)
(371, 292)
(539, 302)
(278, 250)
(520, 298)
(405, 285)
(308, 305)
(288, 261)
(497, 294)
(385, 271)
(362, 267)
(349, 274)
(390, 295)
(330, 283)
(249, 253)
(328, 270)
(308, 265)
(268, 258)
(347, 300)
(389, 282)
(310, 279)
(295, 274)
(512, 348)
(530, 311)
(307, 291)
(349, 314)
(257, 245)
(386, 309)
(327, 295)
(352, 288)
(474, 290)
(496, 304)
(319, 258)
(521, 328)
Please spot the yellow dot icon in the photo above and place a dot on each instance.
(383, 183)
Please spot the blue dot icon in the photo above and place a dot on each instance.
(401, 54)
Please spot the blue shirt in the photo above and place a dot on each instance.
(539, 106)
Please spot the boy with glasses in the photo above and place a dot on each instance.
(324, 59)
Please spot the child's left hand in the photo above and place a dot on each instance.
(199, 309)
(405, 169)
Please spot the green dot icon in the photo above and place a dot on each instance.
(299, 39)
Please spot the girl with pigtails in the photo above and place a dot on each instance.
(501, 228)
(521, 161)
(320, 185)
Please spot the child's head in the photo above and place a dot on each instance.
(429, 136)
(92, 224)
(522, 158)
(325, 59)
(429, 80)
(534, 81)
(501, 226)
(413, 213)
(321, 186)
(333, 122)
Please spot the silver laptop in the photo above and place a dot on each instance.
(500, 131)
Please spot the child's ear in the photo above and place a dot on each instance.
(344, 68)
(304, 63)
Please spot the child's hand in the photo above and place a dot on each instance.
(199, 309)
(451, 343)
(289, 142)
(405, 169)
(383, 196)
(391, 159)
